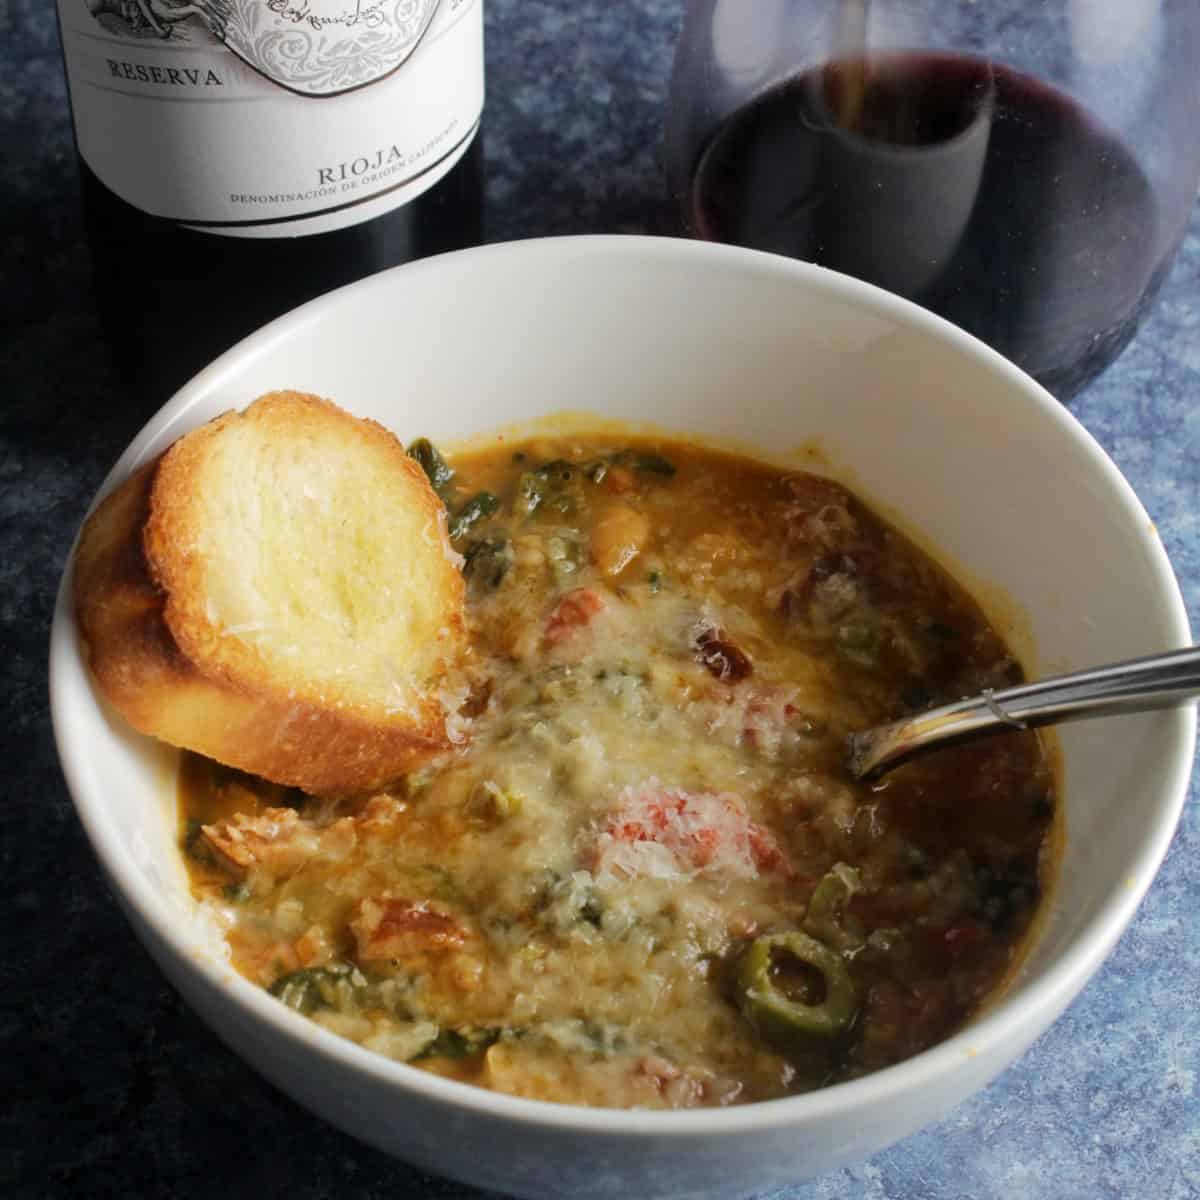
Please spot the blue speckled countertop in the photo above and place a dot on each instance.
(109, 1086)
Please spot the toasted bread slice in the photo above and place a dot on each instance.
(278, 592)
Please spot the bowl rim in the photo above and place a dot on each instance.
(1003, 1023)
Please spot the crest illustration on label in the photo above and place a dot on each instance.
(311, 47)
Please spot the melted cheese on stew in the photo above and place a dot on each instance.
(670, 647)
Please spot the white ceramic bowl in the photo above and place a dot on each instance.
(722, 342)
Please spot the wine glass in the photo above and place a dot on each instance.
(1026, 168)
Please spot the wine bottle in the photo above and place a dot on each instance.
(239, 157)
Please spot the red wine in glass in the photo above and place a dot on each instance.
(980, 192)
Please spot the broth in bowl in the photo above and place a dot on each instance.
(645, 877)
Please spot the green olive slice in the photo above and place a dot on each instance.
(781, 1015)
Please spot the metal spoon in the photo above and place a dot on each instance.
(1158, 681)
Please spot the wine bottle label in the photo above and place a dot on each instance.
(262, 118)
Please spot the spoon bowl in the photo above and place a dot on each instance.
(1138, 685)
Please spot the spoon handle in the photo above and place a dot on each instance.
(1158, 681)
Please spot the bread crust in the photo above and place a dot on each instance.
(173, 674)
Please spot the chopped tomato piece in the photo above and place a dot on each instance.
(572, 612)
(278, 842)
(618, 479)
(765, 714)
(664, 832)
(386, 927)
(766, 853)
